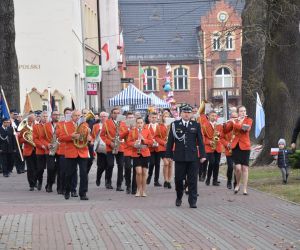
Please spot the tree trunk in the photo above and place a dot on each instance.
(254, 19)
(279, 76)
(9, 74)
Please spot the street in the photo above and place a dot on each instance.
(115, 220)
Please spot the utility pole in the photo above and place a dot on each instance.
(82, 7)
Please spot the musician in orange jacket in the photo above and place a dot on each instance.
(76, 154)
(241, 147)
(161, 136)
(41, 150)
(155, 155)
(109, 135)
(127, 150)
(227, 141)
(101, 156)
(213, 147)
(29, 154)
(140, 139)
(52, 156)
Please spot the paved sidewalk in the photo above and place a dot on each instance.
(115, 220)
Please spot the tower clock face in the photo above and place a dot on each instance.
(223, 16)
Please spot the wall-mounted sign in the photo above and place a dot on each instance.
(93, 73)
(127, 80)
(91, 88)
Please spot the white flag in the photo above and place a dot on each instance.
(200, 77)
(260, 117)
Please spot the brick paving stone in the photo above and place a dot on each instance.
(115, 220)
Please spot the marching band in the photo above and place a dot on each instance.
(62, 146)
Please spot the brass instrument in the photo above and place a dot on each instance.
(215, 139)
(54, 144)
(26, 132)
(116, 140)
(89, 116)
(83, 130)
(201, 109)
(139, 144)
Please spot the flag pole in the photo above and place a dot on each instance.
(139, 75)
(15, 134)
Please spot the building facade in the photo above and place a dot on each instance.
(187, 35)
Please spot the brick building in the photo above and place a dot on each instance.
(184, 33)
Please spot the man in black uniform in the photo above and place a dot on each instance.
(7, 147)
(186, 135)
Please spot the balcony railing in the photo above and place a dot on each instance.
(217, 93)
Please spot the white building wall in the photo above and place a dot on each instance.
(49, 53)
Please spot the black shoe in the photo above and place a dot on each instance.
(59, 191)
(39, 186)
(245, 193)
(109, 186)
(215, 183)
(236, 190)
(22, 171)
(165, 184)
(169, 185)
(119, 189)
(49, 189)
(67, 196)
(84, 198)
(6, 175)
(187, 192)
(193, 205)
(74, 194)
(148, 180)
(229, 185)
(178, 202)
(157, 184)
(19, 172)
(219, 182)
(31, 189)
(202, 179)
(128, 190)
(207, 182)
(133, 192)
(97, 183)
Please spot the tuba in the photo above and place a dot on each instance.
(26, 132)
(83, 130)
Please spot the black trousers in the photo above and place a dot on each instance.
(52, 170)
(7, 161)
(110, 165)
(101, 166)
(71, 170)
(187, 170)
(229, 160)
(62, 176)
(154, 162)
(91, 159)
(203, 169)
(41, 166)
(31, 163)
(130, 182)
(213, 166)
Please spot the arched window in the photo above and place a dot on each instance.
(223, 78)
(151, 84)
(229, 41)
(180, 78)
(216, 41)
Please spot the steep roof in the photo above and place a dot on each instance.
(164, 30)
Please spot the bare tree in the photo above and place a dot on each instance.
(9, 74)
(271, 60)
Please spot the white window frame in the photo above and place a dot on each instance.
(229, 41)
(152, 78)
(223, 76)
(184, 77)
(216, 41)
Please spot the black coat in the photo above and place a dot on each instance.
(283, 158)
(185, 150)
(7, 140)
(296, 131)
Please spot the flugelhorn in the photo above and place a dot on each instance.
(26, 132)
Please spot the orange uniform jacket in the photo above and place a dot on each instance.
(48, 133)
(108, 133)
(241, 137)
(208, 134)
(160, 136)
(65, 135)
(152, 149)
(148, 140)
(27, 149)
(61, 145)
(38, 134)
(227, 139)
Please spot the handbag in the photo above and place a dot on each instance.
(99, 145)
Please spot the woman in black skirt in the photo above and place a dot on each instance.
(140, 139)
(241, 147)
